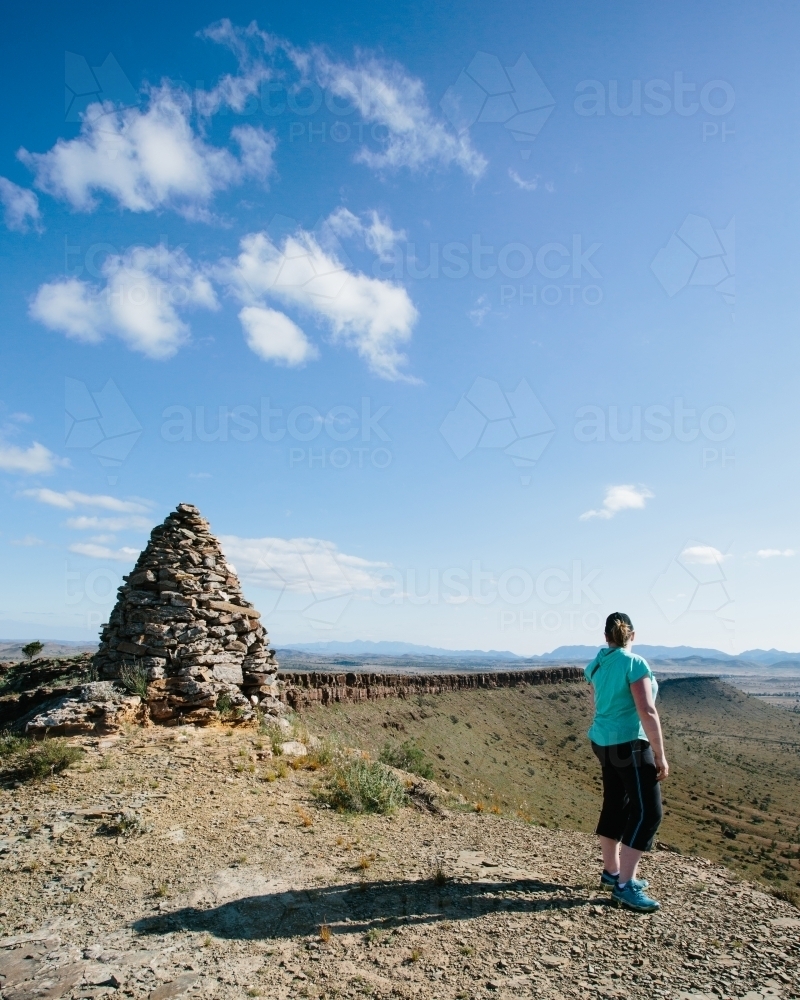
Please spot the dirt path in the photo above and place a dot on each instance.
(227, 884)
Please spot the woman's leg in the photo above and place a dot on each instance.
(610, 850)
(628, 863)
(644, 795)
(614, 813)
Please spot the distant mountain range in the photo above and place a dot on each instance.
(11, 650)
(764, 657)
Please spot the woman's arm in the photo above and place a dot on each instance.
(642, 692)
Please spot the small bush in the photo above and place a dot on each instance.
(10, 745)
(325, 933)
(24, 759)
(134, 678)
(407, 757)
(788, 896)
(224, 705)
(359, 786)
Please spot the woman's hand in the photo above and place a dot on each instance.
(662, 768)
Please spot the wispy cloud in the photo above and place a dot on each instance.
(383, 92)
(480, 310)
(618, 498)
(139, 303)
(299, 564)
(775, 553)
(33, 460)
(387, 95)
(20, 207)
(28, 542)
(522, 184)
(72, 499)
(94, 551)
(132, 522)
(376, 231)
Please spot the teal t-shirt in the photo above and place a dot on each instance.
(612, 672)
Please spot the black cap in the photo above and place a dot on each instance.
(618, 616)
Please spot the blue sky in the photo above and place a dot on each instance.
(463, 326)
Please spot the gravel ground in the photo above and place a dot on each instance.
(223, 883)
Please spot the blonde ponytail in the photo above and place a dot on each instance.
(619, 629)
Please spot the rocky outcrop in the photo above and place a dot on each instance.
(302, 690)
(182, 622)
(101, 707)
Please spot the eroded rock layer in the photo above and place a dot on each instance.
(182, 622)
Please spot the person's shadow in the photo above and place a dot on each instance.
(360, 906)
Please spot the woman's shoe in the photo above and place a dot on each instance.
(634, 898)
(609, 881)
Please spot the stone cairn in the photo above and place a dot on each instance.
(181, 617)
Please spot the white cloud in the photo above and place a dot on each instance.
(521, 183)
(20, 207)
(299, 564)
(377, 233)
(94, 551)
(619, 498)
(703, 555)
(28, 542)
(274, 337)
(139, 303)
(370, 315)
(480, 310)
(34, 460)
(249, 45)
(386, 95)
(775, 553)
(147, 160)
(257, 150)
(132, 522)
(383, 92)
(72, 499)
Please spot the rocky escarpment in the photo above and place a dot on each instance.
(182, 619)
(302, 690)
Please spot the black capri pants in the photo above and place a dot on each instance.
(632, 810)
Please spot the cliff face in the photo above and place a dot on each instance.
(302, 690)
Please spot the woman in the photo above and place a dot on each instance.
(626, 738)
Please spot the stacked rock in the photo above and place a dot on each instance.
(181, 617)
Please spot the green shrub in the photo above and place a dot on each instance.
(134, 678)
(12, 744)
(225, 705)
(407, 757)
(361, 786)
(22, 759)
